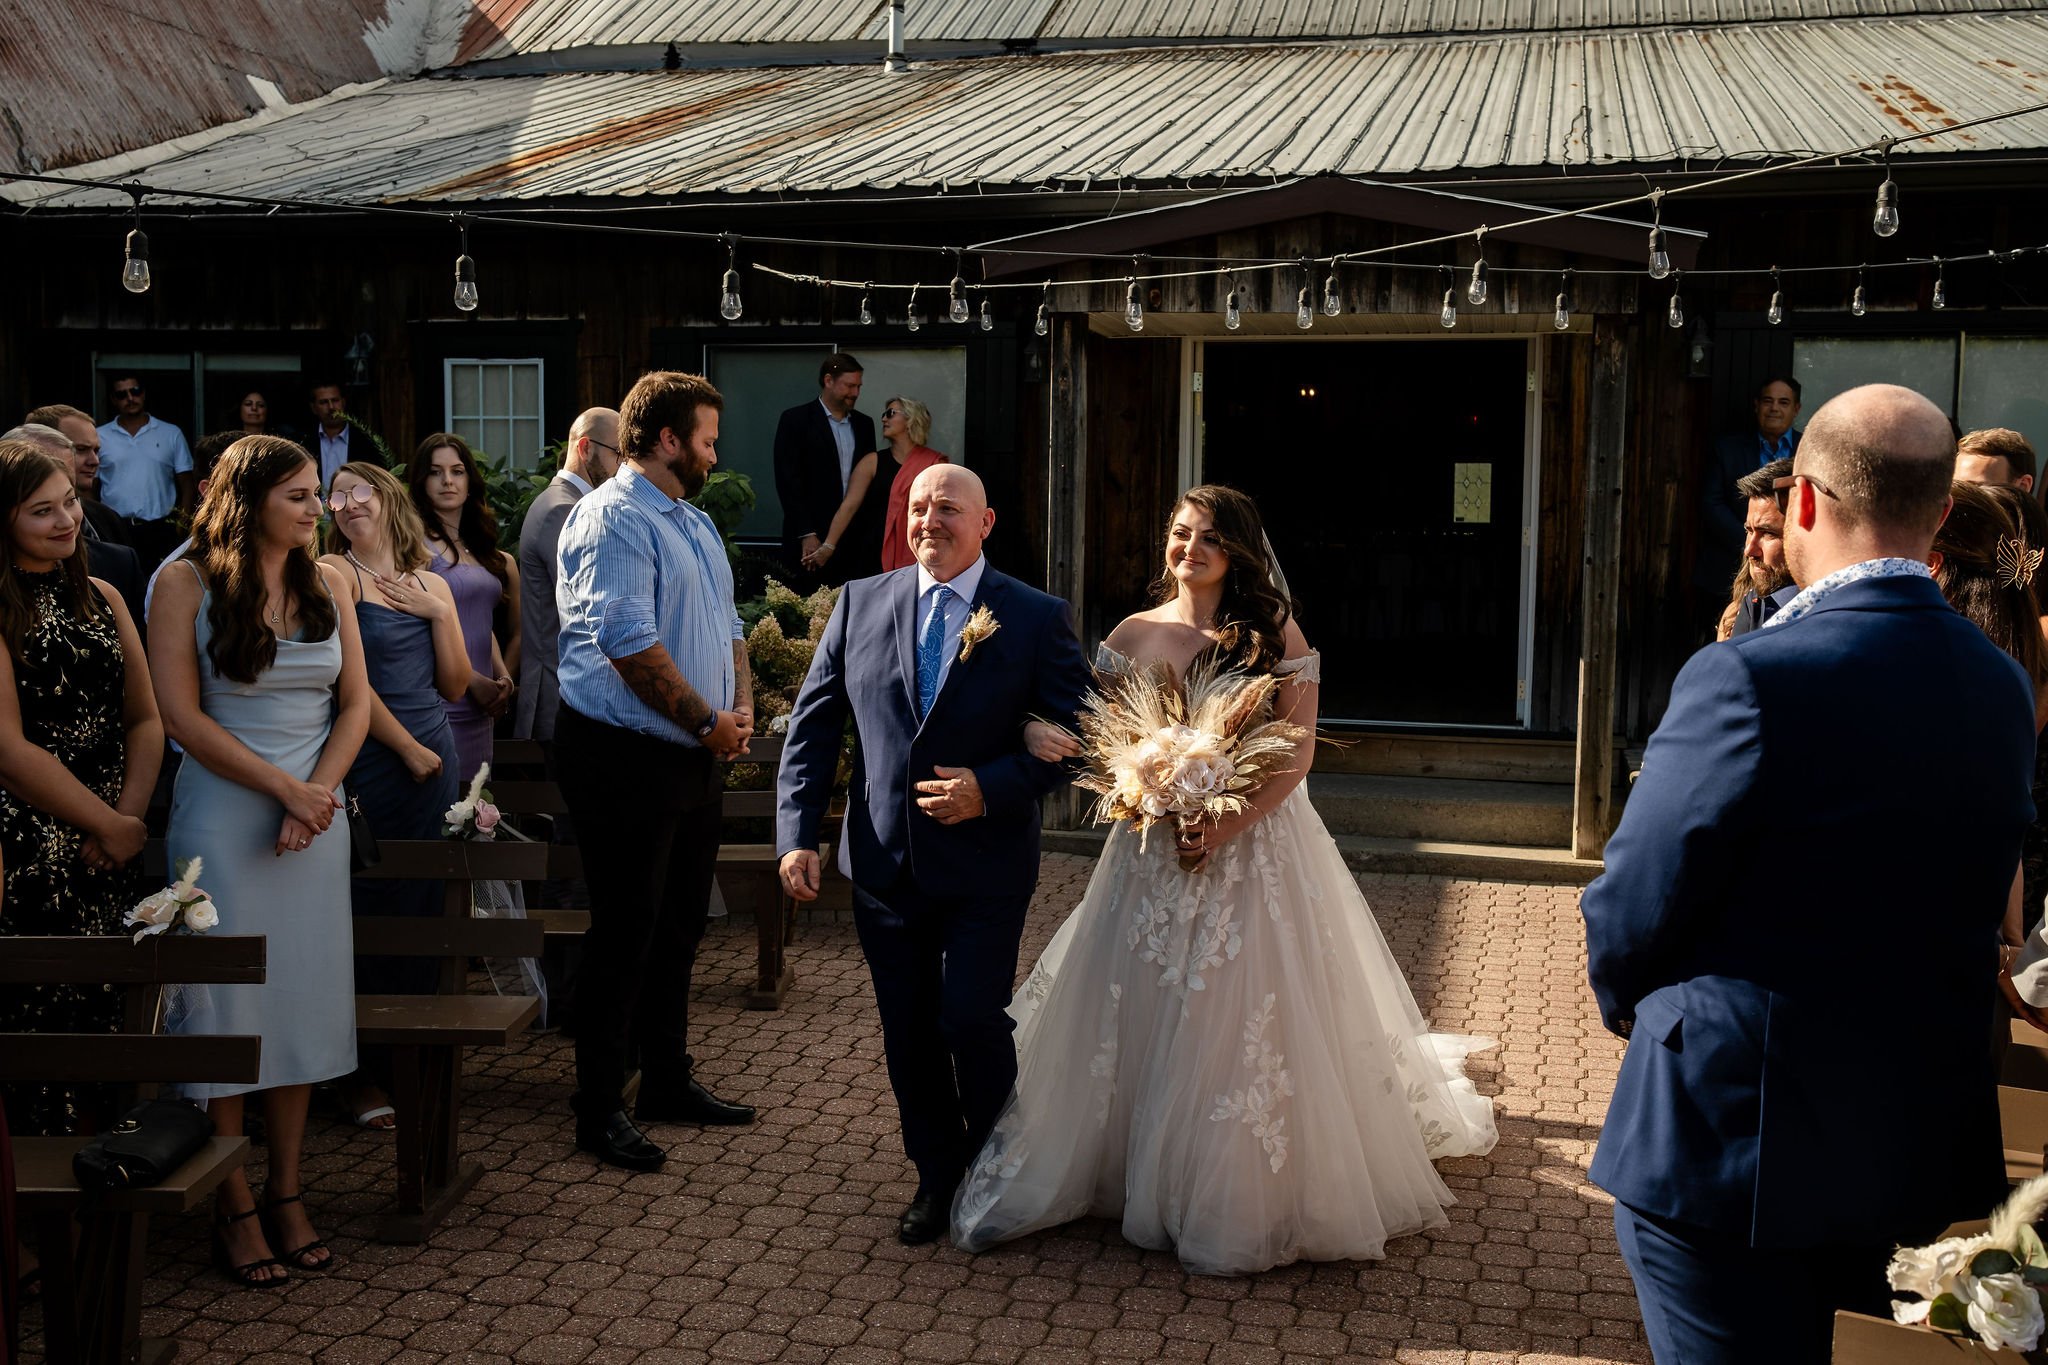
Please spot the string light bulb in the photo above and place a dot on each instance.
(1561, 319)
(1660, 259)
(1333, 301)
(1475, 291)
(1940, 286)
(1858, 303)
(1304, 311)
(867, 304)
(1449, 314)
(988, 319)
(1042, 324)
(1233, 316)
(729, 306)
(1674, 313)
(465, 275)
(1134, 306)
(915, 321)
(135, 254)
(956, 303)
(1885, 220)
(1776, 314)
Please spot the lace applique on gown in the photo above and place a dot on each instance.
(1229, 1061)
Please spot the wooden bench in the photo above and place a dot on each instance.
(2023, 1101)
(746, 872)
(92, 1298)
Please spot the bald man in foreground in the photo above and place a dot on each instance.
(1797, 930)
(939, 665)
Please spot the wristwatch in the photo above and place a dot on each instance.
(710, 724)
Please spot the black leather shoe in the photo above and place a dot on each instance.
(618, 1143)
(687, 1103)
(925, 1219)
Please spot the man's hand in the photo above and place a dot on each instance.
(728, 739)
(809, 547)
(956, 796)
(799, 873)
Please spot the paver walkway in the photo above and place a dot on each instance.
(777, 1242)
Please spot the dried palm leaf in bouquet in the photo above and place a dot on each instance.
(1157, 749)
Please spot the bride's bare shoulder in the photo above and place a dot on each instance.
(1134, 632)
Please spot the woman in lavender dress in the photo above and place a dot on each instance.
(462, 535)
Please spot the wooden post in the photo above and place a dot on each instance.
(1606, 448)
(1066, 513)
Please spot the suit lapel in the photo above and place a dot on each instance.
(989, 593)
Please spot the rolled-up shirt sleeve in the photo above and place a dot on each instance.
(623, 570)
(627, 627)
(739, 629)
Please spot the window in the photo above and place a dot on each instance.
(1980, 381)
(496, 406)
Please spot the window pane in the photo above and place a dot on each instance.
(526, 443)
(469, 429)
(2002, 385)
(758, 382)
(464, 397)
(1826, 366)
(497, 386)
(526, 391)
(935, 376)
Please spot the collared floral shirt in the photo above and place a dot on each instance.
(1816, 593)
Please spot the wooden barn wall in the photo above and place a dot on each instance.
(1133, 466)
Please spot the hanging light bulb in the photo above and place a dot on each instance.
(988, 319)
(1233, 316)
(1885, 221)
(1475, 292)
(1858, 304)
(1561, 319)
(729, 292)
(1940, 285)
(465, 275)
(1043, 322)
(867, 304)
(1776, 314)
(1134, 306)
(956, 303)
(1660, 259)
(1304, 311)
(135, 254)
(1449, 315)
(1674, 314)
(1333, 300)
(915, 321)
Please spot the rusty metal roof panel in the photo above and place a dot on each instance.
(1155, 116)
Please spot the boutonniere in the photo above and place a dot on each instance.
(979, 627)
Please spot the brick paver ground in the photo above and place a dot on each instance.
(777, 1242)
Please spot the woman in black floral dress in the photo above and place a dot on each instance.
(79, 747)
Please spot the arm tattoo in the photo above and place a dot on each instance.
(743, 677)
(656, 680)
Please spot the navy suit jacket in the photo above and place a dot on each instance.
(807, 472)
(866, 667)
(1800, 917)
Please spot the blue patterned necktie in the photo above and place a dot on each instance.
(931, 651)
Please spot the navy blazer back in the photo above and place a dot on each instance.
(1800, 916)
(866, 667)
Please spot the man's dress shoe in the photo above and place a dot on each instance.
(618, 1143)
(687, 1103)
(925, 1219)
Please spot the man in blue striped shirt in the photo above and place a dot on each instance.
(655, 692)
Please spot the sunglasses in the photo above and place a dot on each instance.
(1782, 488)
(887, 413)
(359, 495)
(135, 392)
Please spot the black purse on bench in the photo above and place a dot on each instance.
(152, 1140)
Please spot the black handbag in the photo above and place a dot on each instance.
(152, 1140)
(363, 853)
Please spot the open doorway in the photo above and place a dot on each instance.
(1393, 480)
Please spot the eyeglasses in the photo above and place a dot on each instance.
(887, 413)
(1783, 489)
(602, 446)
(360, 495)
(135, 392)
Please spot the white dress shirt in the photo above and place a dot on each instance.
(842, 436)
(958, 608)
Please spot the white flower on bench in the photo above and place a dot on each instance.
(1987, 1286)
(473, 817)
(184, 902)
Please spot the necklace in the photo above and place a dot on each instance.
(350, 556)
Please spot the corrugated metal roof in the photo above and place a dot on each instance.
(503, 28)
(1155, 115)
(84, 79)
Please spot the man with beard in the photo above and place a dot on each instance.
(654, 687)
(1766, 581)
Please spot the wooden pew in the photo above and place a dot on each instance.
(92, 1300)
(2023, 1100)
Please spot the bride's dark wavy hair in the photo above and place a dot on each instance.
(225, 545)
(1252, 619)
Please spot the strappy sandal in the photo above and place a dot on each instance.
(244, 1274)
(295, 1257)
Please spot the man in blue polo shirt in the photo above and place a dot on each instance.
(655, 691)
(145, 472)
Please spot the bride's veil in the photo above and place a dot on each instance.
(1273, 566)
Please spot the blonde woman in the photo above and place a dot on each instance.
(878, 497)
(405, 775)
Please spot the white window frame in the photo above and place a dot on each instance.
(540, 416)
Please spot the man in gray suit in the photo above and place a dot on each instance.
(592, 457)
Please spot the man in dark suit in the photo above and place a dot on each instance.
(105, 559)
(1798, 927)
(1737, 453)
(816, 445)
(592, 456)
(939, 665)
(335, 440)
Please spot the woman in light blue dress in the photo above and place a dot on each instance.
(259, 675)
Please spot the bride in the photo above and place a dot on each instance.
(1228, 1059)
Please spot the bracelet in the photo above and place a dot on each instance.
(827, 546)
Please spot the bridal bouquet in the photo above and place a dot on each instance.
(473, 817)
(182, 902)
(1159, 751)
(1988, 1286)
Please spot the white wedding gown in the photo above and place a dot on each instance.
(1229, 1061)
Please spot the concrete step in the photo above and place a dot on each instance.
(1423, 857)
(1452, 810)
